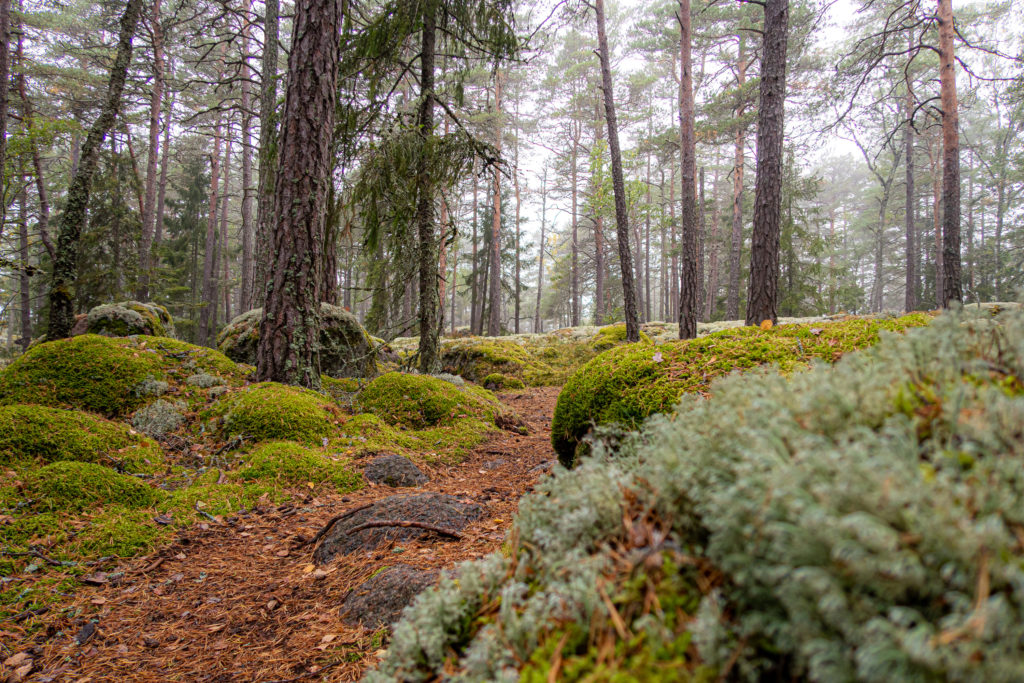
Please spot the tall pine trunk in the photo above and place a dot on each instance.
(951, 285)
(732, 295)
(289, 343)
(494, 296)
(65, 262)
(245, 290)
(763, 293)
(910, 294)
(429, 306)
(688, 285)
(538, 319)
(265, 201)
(208, 314)
(149, 207)
(712, 293)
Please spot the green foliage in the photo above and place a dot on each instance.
(36, 433)
(852, 522)
(269, 411)
(291, 464)
(69, 485)
(421, 401)
(105, 375)
(627, 384)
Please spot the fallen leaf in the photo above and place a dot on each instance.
(14, 661)
(99, 600)
(766, 324)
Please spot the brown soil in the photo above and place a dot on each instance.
(242, 600)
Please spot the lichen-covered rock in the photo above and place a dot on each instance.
(346, 350)
(628, 383)
(379, 600)
(158, 418)
(419, 401)
(272, 411)
(292, 464)
(395, 471)
(112, 376)
(50, 434)
(436, 509)
(126, 318)
(71, 486)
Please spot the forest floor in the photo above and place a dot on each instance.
(242, 600)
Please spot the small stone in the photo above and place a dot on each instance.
(380, 600)
(394, 471)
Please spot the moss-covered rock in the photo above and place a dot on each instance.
(346, 350)
(111, 376)
(271, 411)
(74, 486)
(126, 318)
(497, 381)
(291, 464)
(474, 358)
(420, 401)
(627, 384)
(613, 335)
(51, 434)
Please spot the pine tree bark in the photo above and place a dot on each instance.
(161, 193)
(951, 276)
(599, 265)
(688, 285)
(712, 293)
(208, 312)
(732, 295)
(149, 206)
(225, 261)
(573, 179)
(289, 343)
(763, 293)
(24, 281)
(65, 263)
(618, 185)
(910, 293)
(245, 290)
(428, 313)
(28, 117)
(474, 279)
(538, 319)
(265, 199)
(494, 296)
(5, 73)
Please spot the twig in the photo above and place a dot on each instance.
(403, 523)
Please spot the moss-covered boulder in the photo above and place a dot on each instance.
(421, 401)
(43, 434)
(126, 318)
(474, 358)
(291, 464)
(111, 376)
(72, 486)
(271, 411)
(628, 383)
(346, 350)
(497, 381)
(613, 335)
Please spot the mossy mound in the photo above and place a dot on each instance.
(613, 335)
(72, 486)
(270, 411)
(43, 434)
(291, 464)
(855, 522)
(346, 349)
(627, 384)
(126, 318)
(111, 376)
(474, 358)
(497, 381)
(421, 401)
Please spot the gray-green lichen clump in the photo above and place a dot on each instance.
(855, 522)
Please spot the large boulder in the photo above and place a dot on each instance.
(379, 601)
(346, 350)
(124, 319)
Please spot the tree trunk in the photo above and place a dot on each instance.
(28, 117)
(245, 290)
(712, 293)
(65, 263)
(599, 266)
(5, 74)
(951, 286)
(289, 343)
(538, 319)
(161, 192)
(494, 321)
(732, 295)
(763, 293)
(428, 314)
(265, 200)
(910, 298)
(515, 181)
(208, 313)
(474, 276)
(24, 281)
(688, 284)
(574, 173)
(149, 207)
(225, 261)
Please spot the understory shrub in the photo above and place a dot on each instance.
(855, 522)
(625, 385)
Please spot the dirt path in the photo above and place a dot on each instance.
(242, 601)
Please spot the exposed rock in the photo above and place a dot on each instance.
(395, 471)
(346, 350)
(124, 319)
(434, 509)
(380, 600)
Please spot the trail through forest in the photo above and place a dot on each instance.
(240, 599)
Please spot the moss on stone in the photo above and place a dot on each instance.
(627, 384)
(119, 531)
(498, 381)
(291, 464)
(613, 335)
(474, 358)
(420, 401)
(186, 504)
(105, 375)
(127, 318)
(72, 486)
(271, 411)
(37, 433)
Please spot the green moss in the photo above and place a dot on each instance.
(77, 485)
(613, 335)
(474, 358)
(290, 464)
(118, 531)
(129, 318)
(420, 401)
(215, 499)
(340, 389)
(52, 434)
(627, 384)
(105, 374)
(496, 380)
(270, 411)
